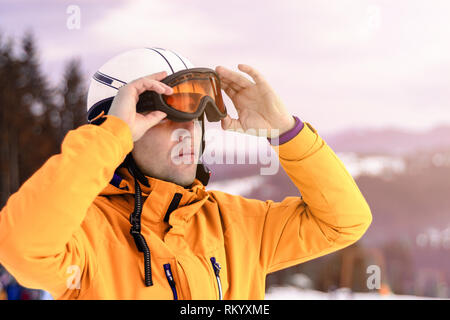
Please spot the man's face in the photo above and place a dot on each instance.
(169, 151)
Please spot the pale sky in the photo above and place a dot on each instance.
(337, 64)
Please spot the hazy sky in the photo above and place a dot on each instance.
(336, 64)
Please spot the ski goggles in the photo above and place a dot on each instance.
(195, 91)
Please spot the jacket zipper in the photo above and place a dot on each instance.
(171, 281)
(216, 268)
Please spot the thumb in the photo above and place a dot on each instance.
(153, 118)
(143, 123)
(231, 124)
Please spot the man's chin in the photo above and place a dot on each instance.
(184, 182)
(184, 175)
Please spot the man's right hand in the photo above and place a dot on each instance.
(124, 103)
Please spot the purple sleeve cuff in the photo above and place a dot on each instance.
(285, 137)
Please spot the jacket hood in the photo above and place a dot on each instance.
(123, 183)
(123, 180)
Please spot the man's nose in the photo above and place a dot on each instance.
(189, 127)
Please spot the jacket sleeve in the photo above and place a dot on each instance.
(330, 214)
(42, 243)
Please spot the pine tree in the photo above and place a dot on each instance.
(26, 101)
(9, 80)
(36, 124)
(73, 92)
(34, 117)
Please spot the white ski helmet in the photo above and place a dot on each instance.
(127, 67)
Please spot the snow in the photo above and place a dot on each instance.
(371, 165)
(293, 293)
(240, 186)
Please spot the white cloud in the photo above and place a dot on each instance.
(159, 23)
(332, 62)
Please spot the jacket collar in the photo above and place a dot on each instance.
(158, 195)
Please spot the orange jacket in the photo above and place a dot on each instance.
(67, 229)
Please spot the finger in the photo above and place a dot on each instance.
(153, 118)
(144, 123)
(232, 76)
(149, 120)
(229, 90)
(231, 124)
(148, 84)
(157, 76)
(231, 84)
(252, 72)
(157, 86)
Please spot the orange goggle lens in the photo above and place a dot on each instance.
(189, 89)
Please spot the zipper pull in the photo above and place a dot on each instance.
(216, 268)
(171, 281)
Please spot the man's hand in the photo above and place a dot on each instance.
(124, 103)
(258, 106)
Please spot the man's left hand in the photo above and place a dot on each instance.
(258, 106)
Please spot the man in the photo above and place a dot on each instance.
(114, 217)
